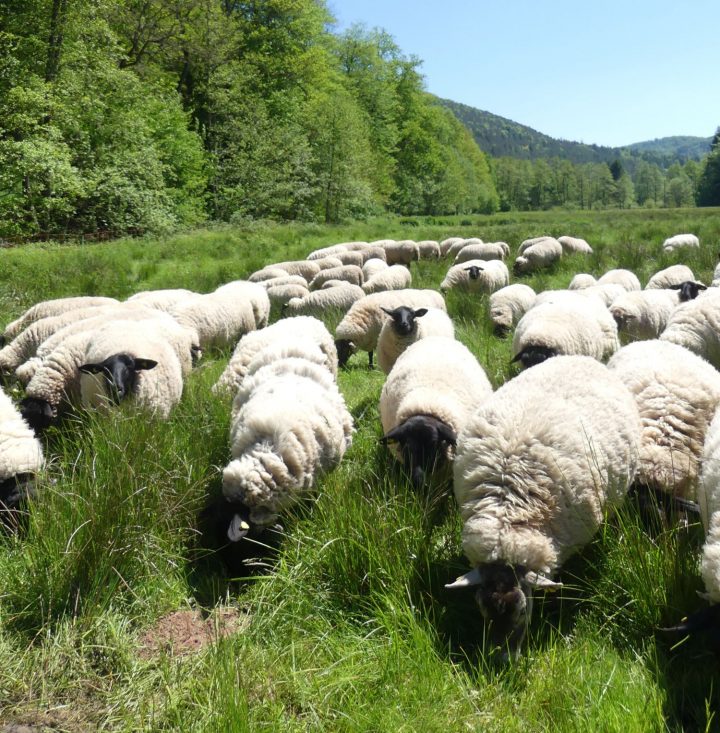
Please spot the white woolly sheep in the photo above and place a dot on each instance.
(575, 325)
(332, 284)
(538, 256)
(253, 293)
(281, 294)
(160, 299)
(360, 328)
(680, 240)
(673, 275)
(324, 302)
(538, 466)
(401, 253)
(372, 252)
(626, 278)
(428, 249)
(308, 329)
(403, 328)
(677, 394)
(432, 390)
(48, 308)
(372, 267)
(572, 245)
(581, 281)
(289, 426)
(708, 496)
(350, 257)
(477, 276)
(395, 277)
(325, 263)
(268, 273)
(532, 241)
(508, 305)
(606, 293)
(21, 456)
(484, 251)
(349, 273)
(454, 250)
(716, 274)
(447, 243)
(274, 282)
(304, 268)
(643, 314)
(696, 326)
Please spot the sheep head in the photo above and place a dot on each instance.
(403, 318)
(689, 289)
(533, 355)
(120, 373)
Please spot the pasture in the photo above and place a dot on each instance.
(117, 613)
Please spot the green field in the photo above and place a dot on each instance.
(348, 627)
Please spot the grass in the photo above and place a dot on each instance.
(351, 628)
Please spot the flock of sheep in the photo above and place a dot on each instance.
(536, 464)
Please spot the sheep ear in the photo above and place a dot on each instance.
(91, 368)
(145, 364)
(474, 577)
(388, 311)
(396, 434)
(238, 528)
(420, 312)
(675, 286)
(517, 357)
(447, 434)
(701, 286)
(536, 580)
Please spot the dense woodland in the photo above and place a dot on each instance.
(138, 116)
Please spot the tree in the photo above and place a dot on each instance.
(708, 192)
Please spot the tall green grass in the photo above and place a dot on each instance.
(351, 629)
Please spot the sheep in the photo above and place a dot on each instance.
(160, 299)
(643, 314)
(403, 328)
(309, 329)
(673, 275)
(527, 243)
(325, 263)
(696, 326)
(48, 308)
(680, 240)
(274, 282)
(254, 293)
(537, 256)
(332, 284)
(626, 278)
(21, 456)
(508, 305)
(477, 276)
(484, 251)
(688, 290)
(350, 257)
(428, 249)
(281, 294)
(372, 252)
(324, 302)
(447, 243)
(289, 426)
(606, 293)
(426, 400)
(708, 496)
(349, 273)
(581, 281)
(401, 253)
(372, 267)
(716, 274)
(676, 393)
(537, 467)
(571, 245)
(360, 327)
(330, 251)
(304, 268)
(455, 248)
(268, 273)
(577, 325)
(395, 277)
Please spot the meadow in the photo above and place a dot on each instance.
(118, 612)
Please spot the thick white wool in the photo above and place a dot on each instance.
(708, 497)
(253, 293)
(20, 450)
(428, 249)
(493, 276)
(527, 243)
(401, 253)
(643, 314)
(395, 277)
(435, 322)
(581, 280)
(373, 266)
(673, 275)
(626, 278)
(350, 257)
(286, 280)
(676, 393)
(572, 245)
(680, 240)
(539, 255)
(289, 426)
(161, 300)
(484, 251)
(325, 263)
(268, 273)
(456, 247)
(447, 243)
(542, 460)
(509, 304)
(349, 273)
(696, 326)
(320, 303)
(281, 294)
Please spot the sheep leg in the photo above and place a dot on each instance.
(370, 364)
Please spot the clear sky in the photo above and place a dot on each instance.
(605, 72)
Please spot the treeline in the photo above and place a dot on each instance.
(137, 115)
(544, 184)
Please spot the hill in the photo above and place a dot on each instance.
(501, 137)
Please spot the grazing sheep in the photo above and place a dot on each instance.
(677, 394)
(21, 456)
(577, 325)
(349, 273)
(428, 249)
(325, 263)
(160, 299)
(332, 284)
(673, 275)
(484, 251)
(403, 328)
(708, 496)
(281, 294)
(306, 328)
(527, 243)
(606, 293)
(360, 328)
(372, 267)
(351, 257)
(716, 274)
(538, 256)
(401, 253)
(426, 400)
(254, 293)
(395, 277)
(625, 278)
(680, 240)
(538, 466)
(477, 276)
(268, 273)
(274, 282)
(508, 305)
(581, 281)
(289, 426)
(48, 308)
(455, 249)
(447, 243)
(325, 302)
(643, 314)
(572, 245)
(688, 290)
(696, 326)
(304, 268)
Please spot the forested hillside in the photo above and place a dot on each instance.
(142, 115)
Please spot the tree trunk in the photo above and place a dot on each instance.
(55, 40)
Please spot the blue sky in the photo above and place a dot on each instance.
(610, 73)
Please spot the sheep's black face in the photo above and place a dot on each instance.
(505, 602)
(689, 290)
(37, 413)
(120, 372)
(403, 319)
(534, 355)
(345, 350)
(474, 271)
(501, 331)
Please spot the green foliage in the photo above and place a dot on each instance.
(709, 183)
